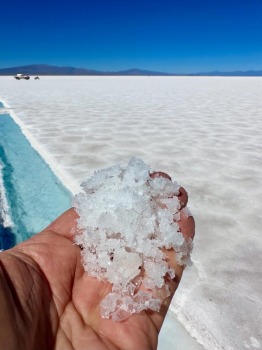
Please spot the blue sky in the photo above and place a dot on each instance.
(185, 36)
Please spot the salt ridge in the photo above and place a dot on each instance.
(4, 207)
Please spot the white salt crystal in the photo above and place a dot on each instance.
(126, 218)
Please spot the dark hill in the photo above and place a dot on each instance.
(45, 69)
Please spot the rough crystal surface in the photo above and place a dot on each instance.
(126, 218)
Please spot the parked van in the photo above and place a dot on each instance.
(21, 76)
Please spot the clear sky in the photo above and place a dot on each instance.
(184, 36)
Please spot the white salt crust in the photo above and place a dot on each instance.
(126, 218)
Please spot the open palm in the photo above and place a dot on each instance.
(54, 304)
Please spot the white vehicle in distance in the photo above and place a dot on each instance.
(21, 76)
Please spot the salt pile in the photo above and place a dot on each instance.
(126, 219)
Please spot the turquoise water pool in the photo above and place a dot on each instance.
(34, 195)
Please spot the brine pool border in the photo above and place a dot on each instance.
(32, 194)
(68, 181)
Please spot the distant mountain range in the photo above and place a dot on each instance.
(45, 69)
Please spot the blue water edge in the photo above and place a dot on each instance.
(31, 196)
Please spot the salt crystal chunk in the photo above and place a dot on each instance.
(125, 219)
(153, 304)
(126, 264)
(120, 315)
(157, 185)
(137, 173)
(110, 304)
(149, 283)
(104, 259)
(164, 215)
(141, 297)
(172, 204)
(172, 238)
(161, 293)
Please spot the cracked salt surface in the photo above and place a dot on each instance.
(126, 219)
(204, 130)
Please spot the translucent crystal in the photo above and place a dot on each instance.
(126, 218)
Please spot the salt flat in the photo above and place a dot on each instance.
(206, 133)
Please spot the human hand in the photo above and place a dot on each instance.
(48, 301)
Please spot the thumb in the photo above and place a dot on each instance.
(65, 224)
